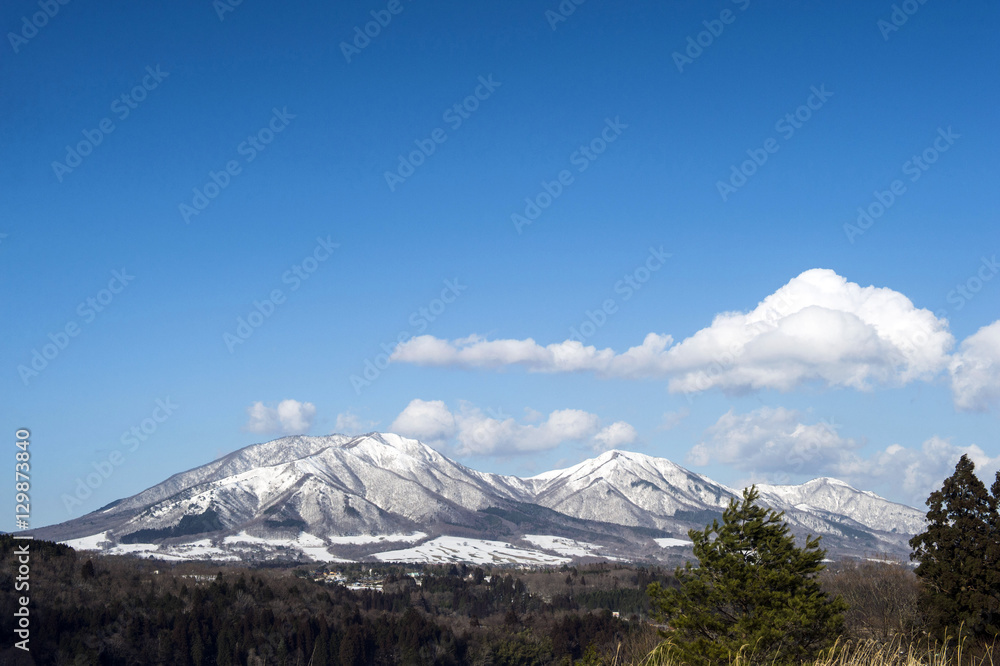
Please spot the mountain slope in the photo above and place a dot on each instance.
(834, 497)
(319, 494)
(630, 489)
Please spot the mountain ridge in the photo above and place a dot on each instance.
(326, 489)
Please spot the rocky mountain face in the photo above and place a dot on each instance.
(341, 497)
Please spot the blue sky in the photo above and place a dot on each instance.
(215, 155)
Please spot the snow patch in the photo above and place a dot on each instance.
(364, 539)
(92, 542)
(670, 542)
(310, 545)
(561, 545)
(475, 551)
(196, 550)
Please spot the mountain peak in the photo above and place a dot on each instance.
(378, 483)
(386, 449)
(605, 463)
(818, 482)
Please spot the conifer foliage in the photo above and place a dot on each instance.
(754, 590)
(959, 555)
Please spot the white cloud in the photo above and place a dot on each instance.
(615, 435)
(568, 356)
(426, 420)
(349, 423)
(817, 328)
(532, 415)
(918, 471)
(775, 446)
(975, 371)
(480, 434)
(471, 431)
(289, 417)
(771, 440)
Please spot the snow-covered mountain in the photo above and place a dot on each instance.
(837, 500)
(353, 497)
(630, 489)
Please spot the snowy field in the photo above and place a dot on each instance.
(87, 543)
(196, 550)
(312, 546)
(563, 546)
(365, 539)
(670, 542)
(474, 551)
(442, 549)
(233, 548)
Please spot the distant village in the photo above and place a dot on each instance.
(370, 580)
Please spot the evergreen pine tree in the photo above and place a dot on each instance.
(87, 570)
(224, 656)
(197, 651)
(320, 656)
(959, 555)
(753, 590)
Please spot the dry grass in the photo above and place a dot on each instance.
(866, 653)
(895, 653)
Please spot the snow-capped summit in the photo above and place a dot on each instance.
(328, 490)
(630, 489)
(832, 496)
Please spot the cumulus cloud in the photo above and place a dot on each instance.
(615, 435)
(289, 417)
(349, 423)
(569, 356)
(771, 440)
(918, 471)
(975, 371)
(774, 445)
(471, 431)
(817, 328)
(426, 420)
